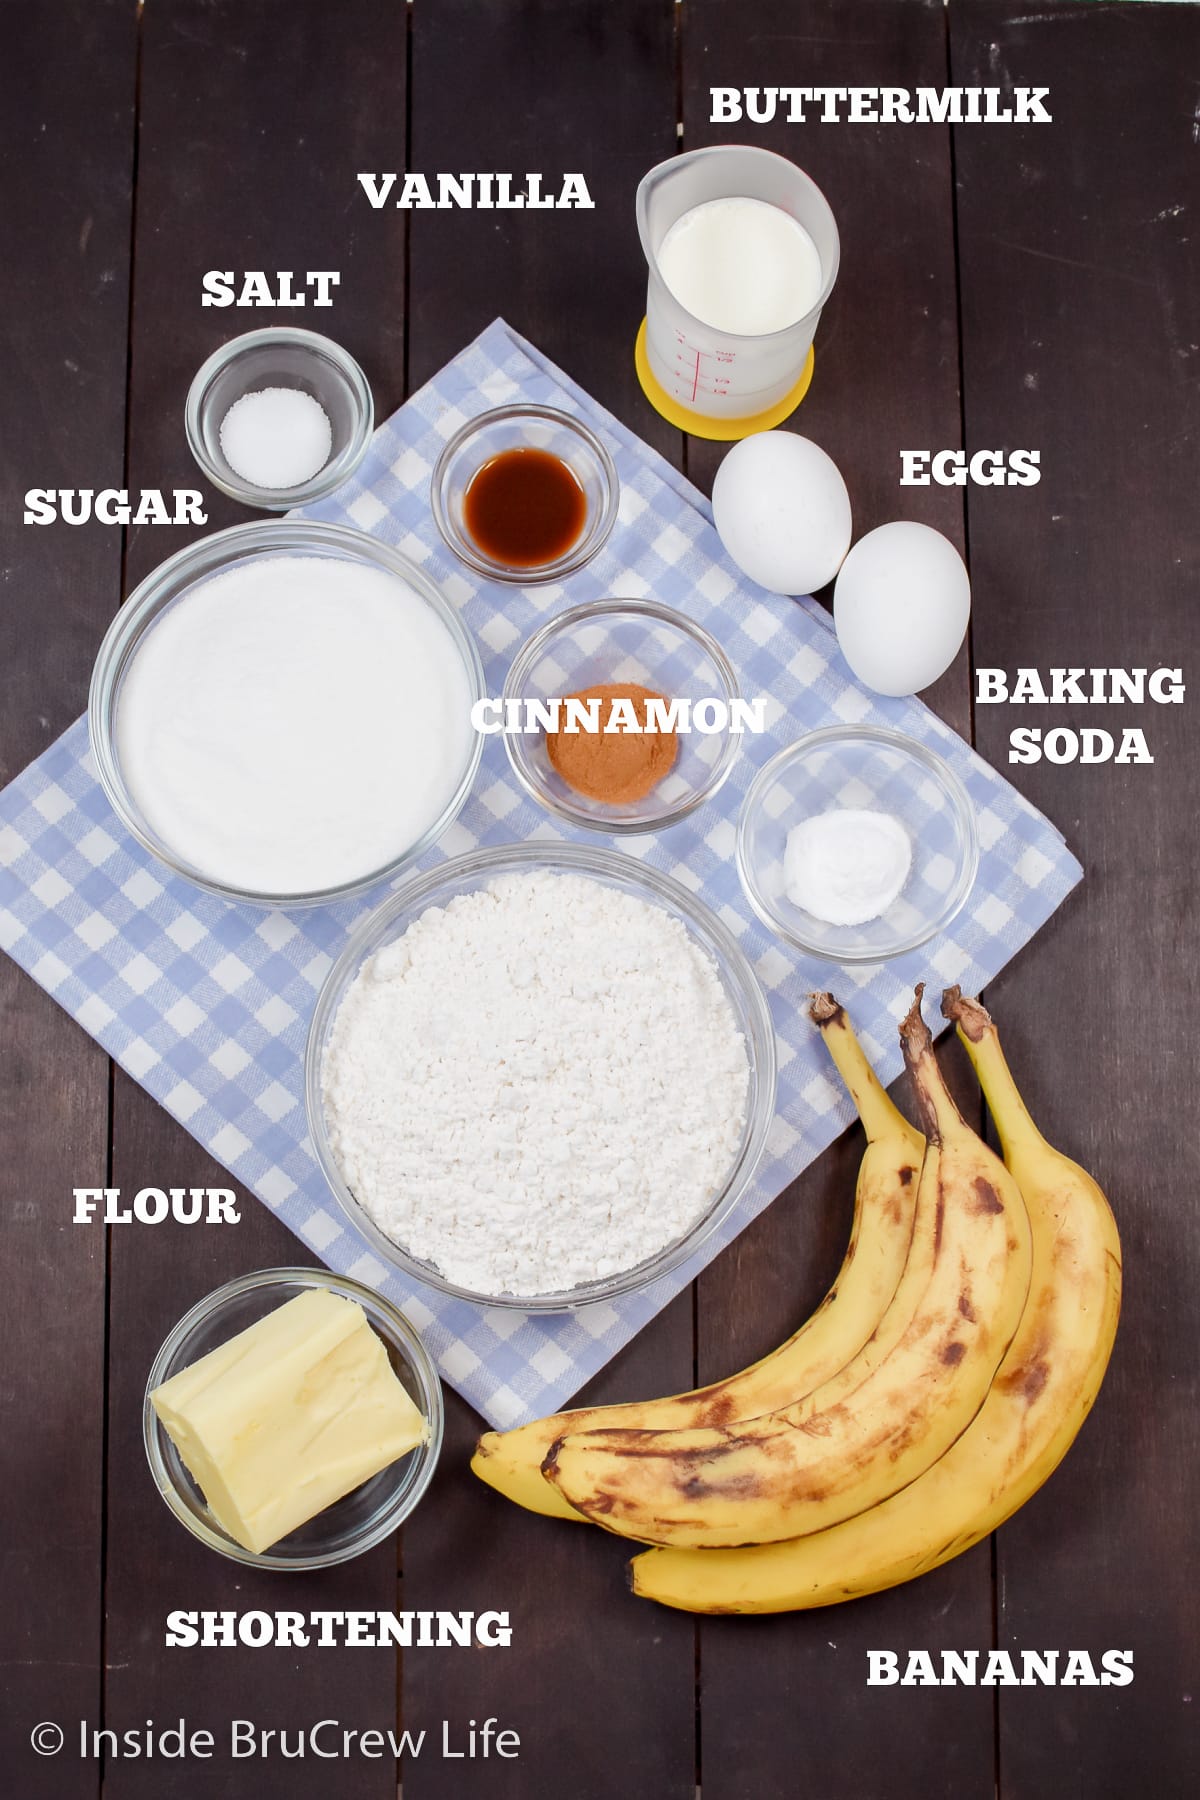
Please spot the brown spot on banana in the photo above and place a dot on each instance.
(900, 1442)
(1031, 1375)
(732, 1487)
(987, 1200)
(1035, 1379)
(721, 1409)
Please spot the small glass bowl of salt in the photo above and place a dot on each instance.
(280, 417)
(857, 844)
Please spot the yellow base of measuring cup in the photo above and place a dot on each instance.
(700, 424)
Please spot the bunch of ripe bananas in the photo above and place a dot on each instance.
(939, 1383)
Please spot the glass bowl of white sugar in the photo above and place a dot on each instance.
(280, 417)
(857, 844)
(540, 1076)
(281, 713)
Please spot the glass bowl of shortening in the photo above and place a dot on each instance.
(857, 844)
(282, 713)
(540, 1076)
(369, 1511)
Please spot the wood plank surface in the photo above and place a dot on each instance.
(66, 143)
(789, 1694)
(601, 1690)
(148, 145)
(1080, 276)
(556, 86)
(254, 124)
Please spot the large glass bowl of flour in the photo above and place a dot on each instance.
(447, 1133)
(282, 713)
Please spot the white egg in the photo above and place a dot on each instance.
(901, 607)
(782, 512)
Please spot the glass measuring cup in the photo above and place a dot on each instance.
(718, 384)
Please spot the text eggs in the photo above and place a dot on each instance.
(901, 607)
(782, 512)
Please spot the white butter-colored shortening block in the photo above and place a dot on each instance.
(294, 1412)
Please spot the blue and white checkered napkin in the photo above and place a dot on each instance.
(207, 1005)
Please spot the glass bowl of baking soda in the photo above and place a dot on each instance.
(279, 418)
(857, 844)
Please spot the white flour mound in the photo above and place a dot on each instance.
(541, 1084)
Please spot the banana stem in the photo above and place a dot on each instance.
(880, 1116)
(982, 1043)
(939, 1115)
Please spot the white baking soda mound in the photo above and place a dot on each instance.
(847, 867)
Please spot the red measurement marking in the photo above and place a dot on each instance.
(696, 377)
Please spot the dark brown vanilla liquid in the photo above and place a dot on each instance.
(524, 508)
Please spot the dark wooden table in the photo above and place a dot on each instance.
(1001, 286)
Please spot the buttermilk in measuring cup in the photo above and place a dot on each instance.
(741, 265)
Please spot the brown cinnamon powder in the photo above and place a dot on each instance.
(619, 766)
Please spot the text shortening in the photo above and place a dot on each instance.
(337, 1630)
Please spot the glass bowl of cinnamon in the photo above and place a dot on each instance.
(622, 716)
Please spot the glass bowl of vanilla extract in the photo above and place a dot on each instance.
(525, 494)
